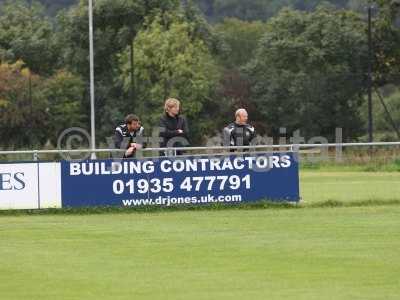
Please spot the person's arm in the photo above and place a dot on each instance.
(119, 143)
(165, 132)
(185, 132)
(227, 136)
(139, 140)
(185, 127)
(118, 138)
(252, 133)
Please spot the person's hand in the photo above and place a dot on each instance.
(130, 151)
(136, 146)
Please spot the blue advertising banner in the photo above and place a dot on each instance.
(181, 180)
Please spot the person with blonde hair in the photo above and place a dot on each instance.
(174, 130)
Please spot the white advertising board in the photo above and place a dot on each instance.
(30, 185)
(49, 185)
(19, 186)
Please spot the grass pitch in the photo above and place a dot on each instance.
(278, 253)
(349, 186)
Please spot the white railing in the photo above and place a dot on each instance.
(173, 151)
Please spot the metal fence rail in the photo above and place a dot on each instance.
(172, 151)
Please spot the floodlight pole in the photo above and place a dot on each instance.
(370, 117)
(91, 58)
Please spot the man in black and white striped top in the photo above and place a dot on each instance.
(239, 133)
(129, 136)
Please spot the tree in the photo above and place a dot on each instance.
(116, 23)
(386, 42)
(309, 72)
(261, 10)
(30, 120)
(23, 117)
(383, 127)
(52, 6)
(239, 39)
(63, 92)
(171, 62)
(238, 42)
(27, 34)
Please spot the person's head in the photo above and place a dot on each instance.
(172, 107)
(241, 116)
(132, 122)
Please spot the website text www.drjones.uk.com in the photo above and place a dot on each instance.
(168, 201)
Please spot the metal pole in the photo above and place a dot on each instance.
(91, 55)
(370, 121)
(132, 75)
(30, 75)
(295, 147)
(35, 155)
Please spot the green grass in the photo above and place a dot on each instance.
(317, 188)
(346, 186)
(353, 165)
(320, 253)
(342, 242)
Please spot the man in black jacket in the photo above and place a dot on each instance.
(174, 129)
(239, 133)
(129, 136)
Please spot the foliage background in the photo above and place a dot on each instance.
(296, 64)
